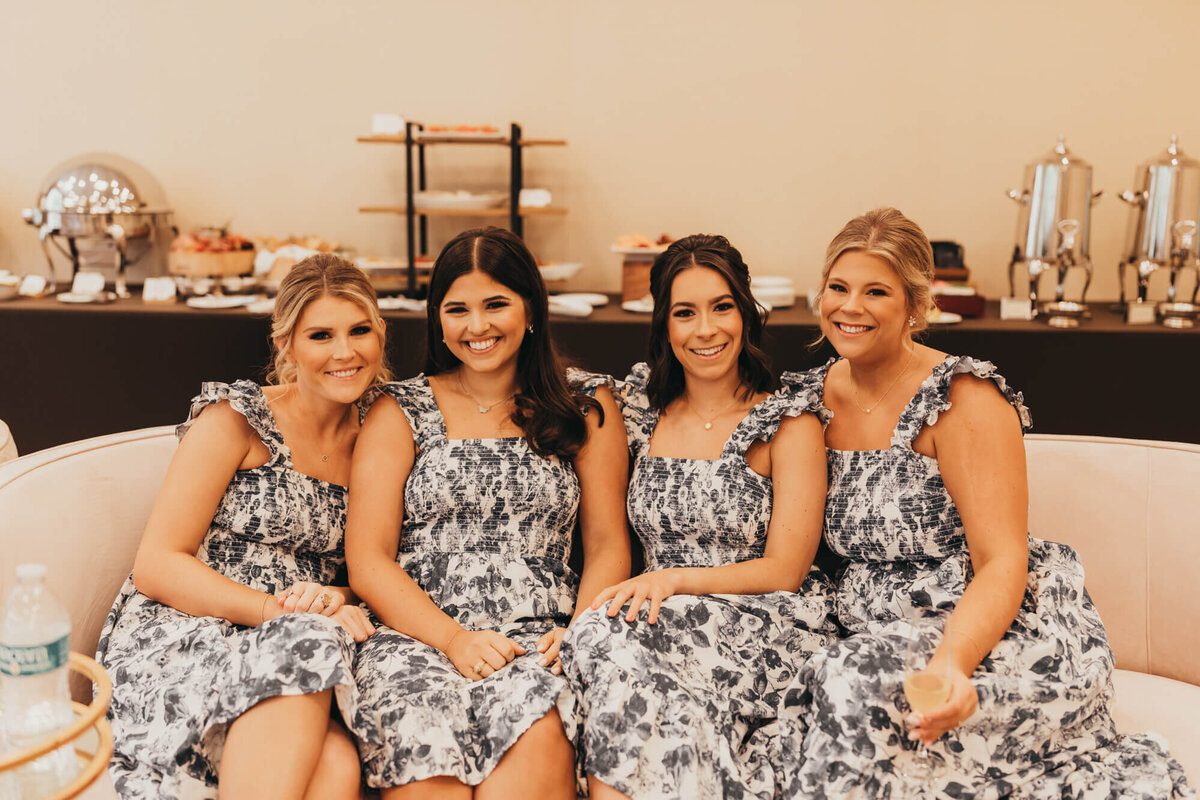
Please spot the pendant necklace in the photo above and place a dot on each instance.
(708, 423)
(479, 406)
(854, 394)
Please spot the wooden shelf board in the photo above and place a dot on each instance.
(525, 211)
(398, 138)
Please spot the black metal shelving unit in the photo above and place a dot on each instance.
(416, 221)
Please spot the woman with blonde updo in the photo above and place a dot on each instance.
(233, 633)
(928, 503)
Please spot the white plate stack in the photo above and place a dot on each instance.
(773, 291)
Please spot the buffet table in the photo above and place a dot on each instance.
(68, 372)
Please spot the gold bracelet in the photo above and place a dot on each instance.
(262, 614)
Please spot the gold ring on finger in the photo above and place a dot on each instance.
(326, 600)
(478, 666)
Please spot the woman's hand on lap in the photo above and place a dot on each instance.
(304, 596)
(548, 646)
(355, 620)
(650, 587)
(478, 654)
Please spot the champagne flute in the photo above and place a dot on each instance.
(926, 688)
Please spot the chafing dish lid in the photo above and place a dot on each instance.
(91, 189)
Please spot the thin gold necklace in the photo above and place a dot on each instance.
(708, 423)
(854, 394)
(483, 409)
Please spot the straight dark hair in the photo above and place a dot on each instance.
(666, 380)
(549, 413)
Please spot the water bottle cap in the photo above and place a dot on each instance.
(27, 572)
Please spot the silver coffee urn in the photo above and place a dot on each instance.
(1163, 234)
(1053, 231)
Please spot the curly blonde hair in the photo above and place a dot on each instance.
(888, 234)
(321, 275)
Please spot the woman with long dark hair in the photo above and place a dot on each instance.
(676, 696)
(466, 485)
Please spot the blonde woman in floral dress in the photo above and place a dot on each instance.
(233, 638)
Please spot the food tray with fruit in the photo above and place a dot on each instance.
(210, 253)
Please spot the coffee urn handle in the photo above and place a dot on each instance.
(1134, 199)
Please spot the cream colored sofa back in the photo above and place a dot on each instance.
(1131, 508)
(8, 448)
(80, 509)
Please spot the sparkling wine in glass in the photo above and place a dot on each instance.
(926, 687)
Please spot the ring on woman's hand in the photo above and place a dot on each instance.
(326, 600)
(478, 668)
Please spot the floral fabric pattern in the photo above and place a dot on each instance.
(889, 513)
(179, 680)
(686, 707)
(487, 535)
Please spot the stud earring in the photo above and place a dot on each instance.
(912, 321)
(529, 328)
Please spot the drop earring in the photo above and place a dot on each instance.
(529, 328)
(912, 321)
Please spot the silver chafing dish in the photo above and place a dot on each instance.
(1053, 233)
(99, 213)
(1164, 231)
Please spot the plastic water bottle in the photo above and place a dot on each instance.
(34, 647)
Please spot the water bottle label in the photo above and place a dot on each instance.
(34, 660)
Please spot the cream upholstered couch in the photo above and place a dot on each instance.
(1131, 508)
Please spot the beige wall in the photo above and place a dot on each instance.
(770, 122)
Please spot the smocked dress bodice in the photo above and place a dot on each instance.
(892, 505)
(691, 512)
(487, 522)
(273, 526)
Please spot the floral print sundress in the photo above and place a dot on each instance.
(1043, 727)
(685, 708)
(487, 535)
(179, 681)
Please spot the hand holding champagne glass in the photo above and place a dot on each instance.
(927, 684)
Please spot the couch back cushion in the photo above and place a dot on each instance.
(1131, 509)
(80, 509)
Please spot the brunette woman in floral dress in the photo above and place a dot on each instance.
(467, 483)
(228, 643)
(677, 672)
(928, 502)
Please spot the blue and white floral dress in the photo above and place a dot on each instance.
(487, 535)
(685, 708)
(179, 680)
(1043, 727)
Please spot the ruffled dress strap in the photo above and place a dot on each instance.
(933, 397)
(588, 383)
(416, 400)
(246, 398)
(640, 418)
(763, 420)
(809, 386)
